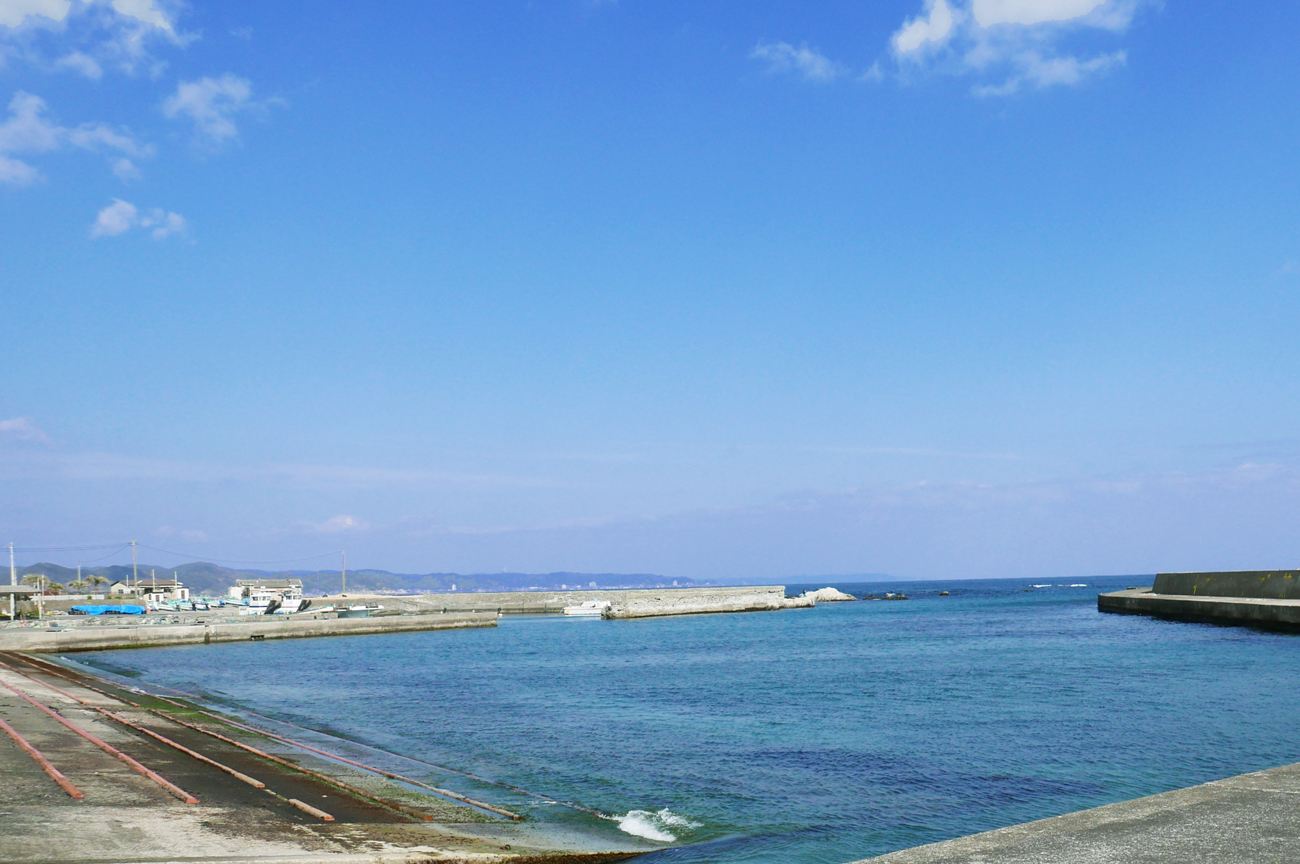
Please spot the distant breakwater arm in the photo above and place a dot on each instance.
(67, 639)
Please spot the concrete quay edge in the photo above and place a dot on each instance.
(102, 638)
(1247, 819)
(1249, 611)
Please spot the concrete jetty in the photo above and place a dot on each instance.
(63, 639)
(1257, 598)
(1249, 819)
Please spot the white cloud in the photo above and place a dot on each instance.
(116, 218)
(808, 62)
(143, 10)
(212, 103)
(1025, 12)
(931, 29)
(14, 12)
(28, 130)
(121, 216)
(22, 429)
(1017, 40)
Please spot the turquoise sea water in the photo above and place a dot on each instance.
(821, 735)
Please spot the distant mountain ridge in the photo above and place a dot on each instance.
(203, 578)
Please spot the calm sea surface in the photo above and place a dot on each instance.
(819, 735)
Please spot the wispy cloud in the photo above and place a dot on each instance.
(1015, 43)
(341, 524)
(212, 104)
(806, 62)
(121, 216)
(99, 466)
(29, 130)
(22, 429)
(192, 535)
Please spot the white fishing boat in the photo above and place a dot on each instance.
(589, 608)
(357, 611)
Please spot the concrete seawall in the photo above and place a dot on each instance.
(100, 638)
(1249, 611)
(1263, 584)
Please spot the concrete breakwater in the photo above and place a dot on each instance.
(100, 638)
(1257, 598)
(649, 604)
(629, 602)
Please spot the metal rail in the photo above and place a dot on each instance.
(152, 734)
(171, 788)
(55, 774)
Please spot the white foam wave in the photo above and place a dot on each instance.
(655, 826)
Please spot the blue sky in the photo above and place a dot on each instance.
(715, 290)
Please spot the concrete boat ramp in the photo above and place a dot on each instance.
(93, 773)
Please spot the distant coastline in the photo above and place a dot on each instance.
(207, 579)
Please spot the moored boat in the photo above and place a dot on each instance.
(589, 608)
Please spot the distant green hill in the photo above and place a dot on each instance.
(212, 580)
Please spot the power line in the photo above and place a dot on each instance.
(71, 548)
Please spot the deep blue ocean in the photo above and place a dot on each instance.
(807, 735)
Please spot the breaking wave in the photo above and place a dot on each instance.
(655, 826)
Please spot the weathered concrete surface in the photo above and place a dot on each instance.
(1265, 584)
(640, 601)
(693, 601)
(98, 638)
(124, 817)
(1250, 819)
(1250, 611)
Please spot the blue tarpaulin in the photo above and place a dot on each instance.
(124, 609)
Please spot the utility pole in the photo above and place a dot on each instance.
(135, 572)
(345, 572)
(13, 580)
